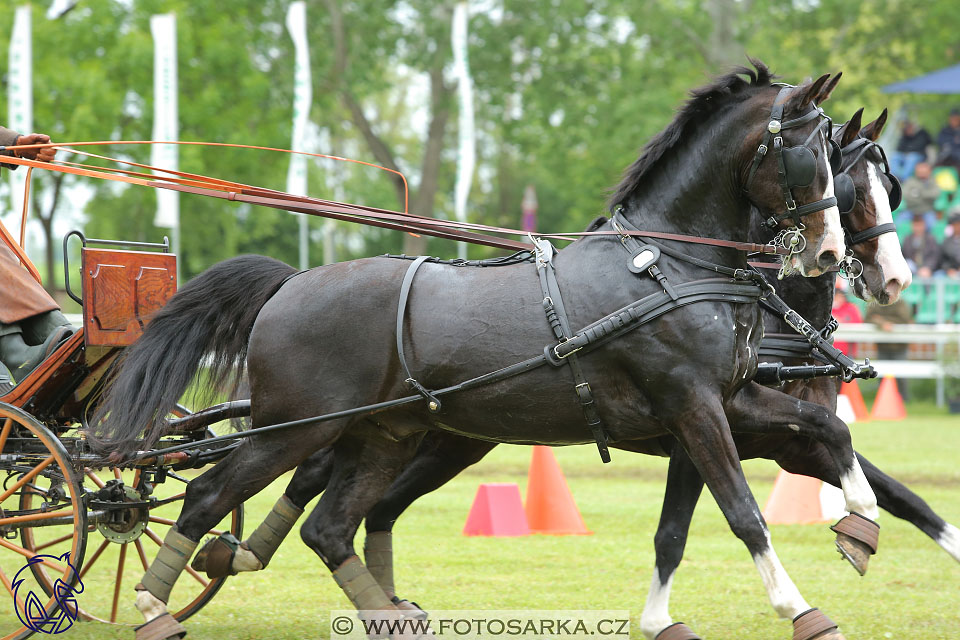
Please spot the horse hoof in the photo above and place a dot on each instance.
(215, 557)
(857, 540)
(677, 631)
(815, 625)
(163, 627)
(855, 552)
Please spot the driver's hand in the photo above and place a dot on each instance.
(43, 154)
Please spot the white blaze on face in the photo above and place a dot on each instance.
(833, 230)
(889, 255)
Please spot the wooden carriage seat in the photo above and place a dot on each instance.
(121, 290)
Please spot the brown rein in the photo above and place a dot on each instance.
(384, 218)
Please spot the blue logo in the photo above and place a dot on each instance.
(34, 616)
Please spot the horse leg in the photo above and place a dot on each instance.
(760, 410)
(811, 459)
(703, 430)
(440, 457)
(365, 463)
(684, 486)
(225, 555)
(209, 498)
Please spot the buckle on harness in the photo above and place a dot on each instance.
(567, 355)
(762, 149)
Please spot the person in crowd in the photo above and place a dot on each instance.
(887, 317)
(920, 194)
(911, 150)
(950, 249)
(920, 249)
(31, 324)
(949, 141)
(845, 311)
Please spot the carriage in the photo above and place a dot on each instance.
(59, 492)
(63, 514)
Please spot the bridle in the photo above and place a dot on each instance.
(796, 166)
(847, 193)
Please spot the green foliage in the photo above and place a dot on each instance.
(567, 92)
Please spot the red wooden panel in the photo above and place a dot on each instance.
(154, 286)
(111, 297)
(121, 290)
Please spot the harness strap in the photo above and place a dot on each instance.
(559, 324)
(869, 234)
(433, 403)
(851, 368)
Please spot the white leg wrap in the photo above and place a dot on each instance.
(656, 612)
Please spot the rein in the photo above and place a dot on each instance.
(198, 184)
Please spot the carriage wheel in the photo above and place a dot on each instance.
(121, 552)
(38, 471)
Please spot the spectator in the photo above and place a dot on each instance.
(949, 141)
(950, 249)
(920, 193)
(911, 149)
(887, 318)
(845, 311)
(920, 249)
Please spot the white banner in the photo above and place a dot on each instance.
(165, 119)
(20, 100)
(466, 154)
(302, 96)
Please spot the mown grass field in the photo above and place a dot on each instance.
(912, 589)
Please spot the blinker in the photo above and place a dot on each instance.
(644, 257)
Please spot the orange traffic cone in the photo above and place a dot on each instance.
(889, 404)
(497, 511)
(852, 391)
(550, 507)
(802, 500)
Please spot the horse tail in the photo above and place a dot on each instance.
(208, 321)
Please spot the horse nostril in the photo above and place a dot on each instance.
(827, 259)
(893, 289)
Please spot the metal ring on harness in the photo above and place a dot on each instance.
(850, 267)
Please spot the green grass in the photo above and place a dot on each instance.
(912, 589)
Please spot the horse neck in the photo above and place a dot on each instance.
(694, 190)
(812, 298)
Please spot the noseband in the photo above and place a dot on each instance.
(796, 166)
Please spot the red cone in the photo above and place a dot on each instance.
(497, 511)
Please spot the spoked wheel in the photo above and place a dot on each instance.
(124, 541)
(41, 500)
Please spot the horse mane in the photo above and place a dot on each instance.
(704, 102)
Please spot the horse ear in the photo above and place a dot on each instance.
(828, 89)
(851, 129)
(872, 130)
(811, 92)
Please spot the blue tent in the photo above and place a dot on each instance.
(945, 81)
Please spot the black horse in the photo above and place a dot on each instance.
(442, 455)
(323, 342)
